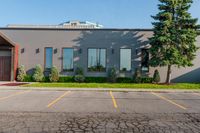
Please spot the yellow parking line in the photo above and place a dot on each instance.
(113, 99)
(168, 100)
(197, 94)
(15, 94)
(57, 99)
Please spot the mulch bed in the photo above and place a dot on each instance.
(13, 84)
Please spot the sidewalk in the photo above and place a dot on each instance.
(95, 89)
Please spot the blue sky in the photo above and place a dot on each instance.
(110, 13)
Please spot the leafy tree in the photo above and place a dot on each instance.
(38, 74)
(175, 32)
(21, 73)
(54, 76)
(156, 76)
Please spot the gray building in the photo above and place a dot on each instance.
(95, 50)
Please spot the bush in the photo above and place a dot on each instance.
(38, 74)
(79, 71)
(95, 79)
(28, 78)
(137, 76)
(79, 78)
(146, 80)
(124, 80)
(156, 76)
(54, 75)
(79, 75)
(68, 79)
(21, 73)
(112, 75)
(46, 79)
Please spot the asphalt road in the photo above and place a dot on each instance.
(86, 111)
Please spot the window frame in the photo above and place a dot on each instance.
(120, 60)
(45, 58)
(88, 60)
(63, 59)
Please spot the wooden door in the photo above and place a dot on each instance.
(5, 68)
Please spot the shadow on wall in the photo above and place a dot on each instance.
(112, 41)
(191, 77)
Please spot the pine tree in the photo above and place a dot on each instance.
(175, 32)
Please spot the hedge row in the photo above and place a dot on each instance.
(70, 79)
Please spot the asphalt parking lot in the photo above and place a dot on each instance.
(60, 106)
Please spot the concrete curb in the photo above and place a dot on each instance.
(95, 89)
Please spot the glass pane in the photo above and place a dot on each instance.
(125, 59)
(49, 56)
(92, 57)
(103, 57)
(145, 60)
(68, 61)
(96, 59)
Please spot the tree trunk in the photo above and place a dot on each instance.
(168, 81)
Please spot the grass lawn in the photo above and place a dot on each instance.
(117, 85)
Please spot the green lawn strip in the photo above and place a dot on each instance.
(121, 85)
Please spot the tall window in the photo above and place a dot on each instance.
(68, 59)
(97, 60)
(145, 60)
(48, 57)
(125, 59)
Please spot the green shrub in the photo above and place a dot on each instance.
(54, 75)
(137, 76)
(67, 79)
(95, 79)
(79, 75)
(146, 80)
(28, 78)
(124, 80)
(112, 75)
(79, 71)
(46, 79)
(21, 73)
(79, 78)
(38, 74)
(156, 76)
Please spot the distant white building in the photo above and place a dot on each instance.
(65, 25)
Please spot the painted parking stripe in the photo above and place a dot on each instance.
(15, 94)
(113, 99)
(168, 100)
(57, 99)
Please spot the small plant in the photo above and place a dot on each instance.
(156, 76)
(79, 75)
(21, 73)
(137, 76)
(112, 75)
(79, 71)
(38, 74)
(54, 75)
(79, 78)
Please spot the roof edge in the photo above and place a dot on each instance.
(7, 39)
(114, 29)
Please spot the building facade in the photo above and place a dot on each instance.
(95, 50)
